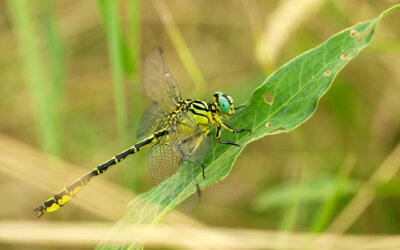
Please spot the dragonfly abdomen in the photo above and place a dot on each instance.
(67, 193)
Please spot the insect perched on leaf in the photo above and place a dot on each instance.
(175, 128)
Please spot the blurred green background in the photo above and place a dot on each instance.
(70, 89)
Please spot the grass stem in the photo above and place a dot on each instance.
(34, 73)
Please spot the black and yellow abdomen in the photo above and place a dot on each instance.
(67, 193)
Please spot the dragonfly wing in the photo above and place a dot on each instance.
(158, 82)
(163, 161)
(165, 157)
(153, 119)
(193, 201)
(188, 140)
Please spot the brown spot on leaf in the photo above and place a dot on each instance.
(253, 138)
(268, 124)
(354, 33)
(327, 73)
(279, 129)
(365, 34)
(268, 98)
(344, 55)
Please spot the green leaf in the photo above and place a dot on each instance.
(283, 102)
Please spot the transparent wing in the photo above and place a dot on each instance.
(184, 141)
(162, 160)
(188, 140)
(163, 163)
(158, 82)
(193, 201)
(153, 119)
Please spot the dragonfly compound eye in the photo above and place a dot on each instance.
(224, 105)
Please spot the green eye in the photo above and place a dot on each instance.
(224, 105)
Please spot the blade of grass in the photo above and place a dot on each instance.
(250, 8)
(57, 53)
(384, 173)
(110, 18)
(291, 212)
(325, 213)
(365, 196)
(279, 27)
(314, 189)
(116, 46)
(34, 74)
(181, 47)
(134, 84)
(56, 63)
(134, 41)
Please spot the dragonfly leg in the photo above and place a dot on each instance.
(230, 129)
(198, 190)
(199, 164)
(218, 138)
(241, 106)
(187, 157)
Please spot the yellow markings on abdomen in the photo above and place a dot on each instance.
(69, 192)
(64, 199)
(54, 206)
(76, 189)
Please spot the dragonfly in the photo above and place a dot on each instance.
(175, 129)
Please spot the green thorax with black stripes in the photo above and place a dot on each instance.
(203, 113)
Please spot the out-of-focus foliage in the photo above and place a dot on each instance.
(358, 117)
(318, 189)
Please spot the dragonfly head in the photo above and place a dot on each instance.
(224, 104)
